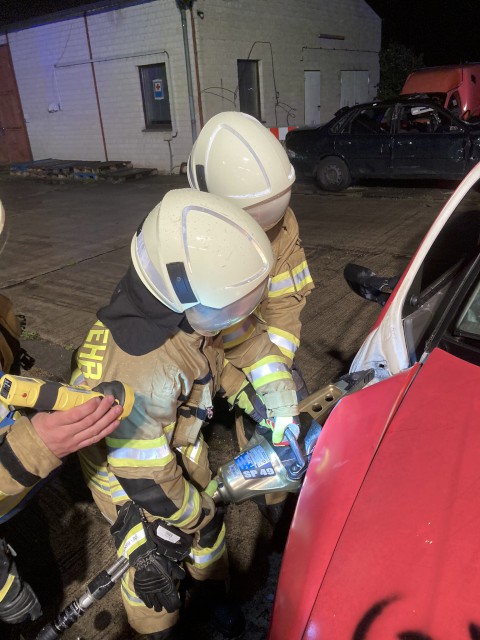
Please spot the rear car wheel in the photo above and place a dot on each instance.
(333, 174)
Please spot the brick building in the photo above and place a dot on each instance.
(114, 80)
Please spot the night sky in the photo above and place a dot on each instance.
(445, 31)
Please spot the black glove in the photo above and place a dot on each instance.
(171, 542)
(154, 559)
(154, 581)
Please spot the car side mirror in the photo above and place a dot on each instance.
(368, 285)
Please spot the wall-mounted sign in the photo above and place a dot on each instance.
(158, 90)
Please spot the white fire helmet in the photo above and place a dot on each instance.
(200, 254)
(238, 158)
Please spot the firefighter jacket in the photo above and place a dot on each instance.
(24, 457)
(290, 283)
(24, 461)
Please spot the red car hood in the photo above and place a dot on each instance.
(385, 542)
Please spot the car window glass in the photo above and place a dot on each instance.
(468, 323)
(338, 126)
(423, 119)
(372, 120)
(455, 247)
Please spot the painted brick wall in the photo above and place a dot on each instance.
(73, 131)
(288, 31)
(56, 86)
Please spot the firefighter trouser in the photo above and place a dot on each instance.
(209, 563)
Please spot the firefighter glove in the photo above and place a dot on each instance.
(278, 427)
(170, 541)
(153, 550)
(249, 401)
(155, 581)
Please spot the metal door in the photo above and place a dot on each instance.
(312, 97)
(14, 143)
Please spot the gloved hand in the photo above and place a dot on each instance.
(153, 550)
(248, 400)
(279, 425)
(154, 581)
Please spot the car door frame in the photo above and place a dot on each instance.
(367, 155)
(435, 155)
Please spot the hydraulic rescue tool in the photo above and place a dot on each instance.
(259, 469)
(40, 395)
(262, 468)
(96, 589)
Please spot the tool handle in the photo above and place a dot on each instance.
(297, 470)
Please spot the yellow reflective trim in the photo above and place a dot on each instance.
(193, 451)
(280, 276)
(284, 334)
(264, 361)
(273, 377)
(300, 267)
(129, 594)
(6, 587)
(134, 539)
(139, 453)
(191, 502)
(287, 342)
(120, 443)
(307, 278)
(205, 557)
(281, 292)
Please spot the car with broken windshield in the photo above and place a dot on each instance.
(407, 138)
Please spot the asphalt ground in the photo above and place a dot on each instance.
(66, 246)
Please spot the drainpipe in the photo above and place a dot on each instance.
(95, 87)
(182, 5)
(197, 73)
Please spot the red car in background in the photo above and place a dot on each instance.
(385, 540)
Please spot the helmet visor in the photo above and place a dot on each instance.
(208, 321)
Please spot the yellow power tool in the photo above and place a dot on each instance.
(47, 395)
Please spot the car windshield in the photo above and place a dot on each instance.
(468, 324)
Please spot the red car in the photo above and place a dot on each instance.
(385, 540)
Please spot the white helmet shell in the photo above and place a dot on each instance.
(199, 251)
(238, 158)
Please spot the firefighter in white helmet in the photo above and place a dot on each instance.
(31, 449)
(199, 265)
(236, 157)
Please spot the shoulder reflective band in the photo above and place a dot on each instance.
(180, 283)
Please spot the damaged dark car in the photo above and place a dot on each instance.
(395, 139)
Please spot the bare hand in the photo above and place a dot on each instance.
(64, 432)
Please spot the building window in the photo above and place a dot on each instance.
(249, 87)
(156, 102)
